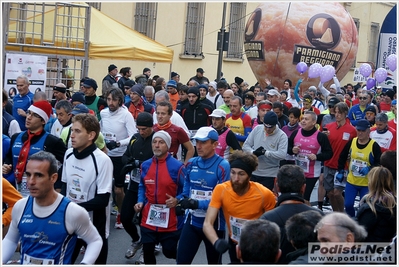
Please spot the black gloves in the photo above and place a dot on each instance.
(259, 152)
(133, 163)
(221, 245)
(179, 210)
(111, 144)
(189, 203)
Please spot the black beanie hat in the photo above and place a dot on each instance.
(145, 119)
(194, 90)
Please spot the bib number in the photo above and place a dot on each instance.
(158, 216)
(236, 224)
(356, 166)
(200, 195)
(29, 260)
(135, 175)
(303, 162)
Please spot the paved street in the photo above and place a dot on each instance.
(119, 241)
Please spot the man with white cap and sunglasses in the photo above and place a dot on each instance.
(161, 185)
(203, 174)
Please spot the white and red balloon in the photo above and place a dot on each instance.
(276, 31)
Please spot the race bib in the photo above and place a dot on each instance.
(158, 216)
(109, 136)
(135, 175)
(303, 162)
(236, 224)
(356, 166)
(200, 195)
(23, 187)
(346, 136)
(75, 193)
(29, 260)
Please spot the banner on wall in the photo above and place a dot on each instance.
(32, 66)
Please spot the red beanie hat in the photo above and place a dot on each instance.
(42, 108)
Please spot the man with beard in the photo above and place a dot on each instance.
(240, 199)
(117, 126)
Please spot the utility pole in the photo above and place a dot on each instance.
(222, 32)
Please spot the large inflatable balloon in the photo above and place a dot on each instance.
(279, 35)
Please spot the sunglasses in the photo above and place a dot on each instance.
(362, 98)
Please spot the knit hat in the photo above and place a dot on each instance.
(173, 74)
(213, 84)
(145, 119)
(270, 119)
(60, 87)
(390, 93)
(79, 96)
(164, 136)
(371, 109)
(194, 90)
(238, 80)
(203, 86)
(111, 68)
(200, 70)
(137, 89)
(129, 83)
(42, 108)
(172, 83)
(90, 83)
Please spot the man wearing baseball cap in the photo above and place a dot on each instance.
(363, 153)
(203, 174)
(33, 140)
(199, 78)
(269, 143)
(227, 141)
(160, 188)
(110, 78)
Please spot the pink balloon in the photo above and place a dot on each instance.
(365, 70)
(314, 70)
(301, 67)
(380, 75)
(391, 62)
(370, 83)
(327, 73)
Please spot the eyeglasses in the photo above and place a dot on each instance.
(33, 114)
(362, 98)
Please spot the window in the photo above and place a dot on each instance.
(374, 32)
(145, 19)
(236, 30)
(194, 29)
(357, 23)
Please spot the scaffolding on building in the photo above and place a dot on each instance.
(26, 27)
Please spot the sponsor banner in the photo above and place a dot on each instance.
(32, 66)
(388, 46)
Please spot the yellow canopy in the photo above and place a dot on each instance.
(109, 39)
